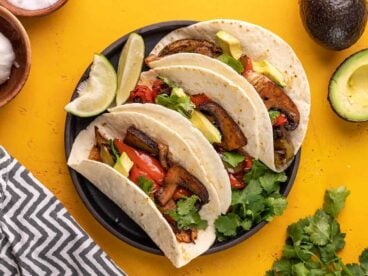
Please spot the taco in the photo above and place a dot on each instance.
(154, 177)
(216, 118)
(258, 61)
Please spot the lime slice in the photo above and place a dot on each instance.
(130, 67)
(97, 92)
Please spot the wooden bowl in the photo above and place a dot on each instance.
(28, 13)
(11, 27)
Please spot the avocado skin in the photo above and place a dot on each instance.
(333, 78)
(335, 24)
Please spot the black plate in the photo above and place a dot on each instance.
(102, 208)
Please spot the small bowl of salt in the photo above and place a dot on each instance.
(15, 56)
(29, 8)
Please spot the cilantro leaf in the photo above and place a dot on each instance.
(363, 259)
(233, 158)
(181, 104)
(145, 184)
(334, 200)
(186, 206)
(186, 214)
(228, 224)
(170, 83)
(270, 181)
(319, 228)
(113, 149)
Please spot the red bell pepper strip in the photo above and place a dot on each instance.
(235, 183)
(180, 193)
(142, 94)
(199, 99)
(281, 120)
(143, 161)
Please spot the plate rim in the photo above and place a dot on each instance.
(68, 142)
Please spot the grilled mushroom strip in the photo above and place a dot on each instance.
(186, 236)
(198, 46)
(163, 151)
(100, 145)
(275, 98)
(178, 176)
(284, 152)
(170, 205)
(233, 138)
(100, 140)
(139, 140)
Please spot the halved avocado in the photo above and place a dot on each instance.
(348, 89)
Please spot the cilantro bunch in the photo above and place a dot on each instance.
(178, 102)
(186, 214)
(312, 243)
(259, 201)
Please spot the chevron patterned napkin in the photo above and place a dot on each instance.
(37, 234)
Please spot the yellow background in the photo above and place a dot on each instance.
(334, 152)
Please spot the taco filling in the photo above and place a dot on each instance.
(208, 117)
(263, 76)
(177, 194)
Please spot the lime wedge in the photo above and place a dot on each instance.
(130, 67)
(97, 92)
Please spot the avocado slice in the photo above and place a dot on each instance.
(335, 24)
(200, 121)
(267, 69)
(348, 89)
(229, 44)
(123, 165)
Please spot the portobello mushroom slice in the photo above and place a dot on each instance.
(163, 151)
(178, 176)
(274, 97)
(100, 151)
(139, 140)
(284, 152)
(170, 205)
(94, 154)
(100, 140)
(198, 46)
(232, 136)
(187, 236)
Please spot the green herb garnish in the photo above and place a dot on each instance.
(259, 201)
(233, 158)
(181, 104)
(312, 243)
(170, 83)
(186, 214)
(114, 150)
(145, 184)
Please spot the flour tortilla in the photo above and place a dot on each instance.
(259, 44)
(130, 198)
(195, 80)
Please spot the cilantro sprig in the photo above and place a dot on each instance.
(186, 214)
(312, 243)
(259, 201)
(233, 158)
(145, 184)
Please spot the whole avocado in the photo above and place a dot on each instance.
(335, 24)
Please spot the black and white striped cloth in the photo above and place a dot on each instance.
(37, 234)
